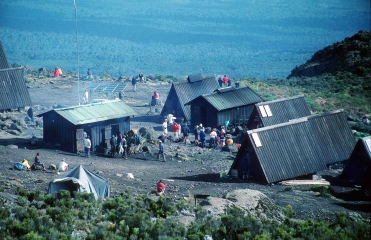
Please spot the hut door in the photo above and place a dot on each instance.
(79, 140)
(107, 135)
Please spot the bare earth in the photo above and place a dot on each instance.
(198, 174)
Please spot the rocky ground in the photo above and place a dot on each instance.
(195, 171)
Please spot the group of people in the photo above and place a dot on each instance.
(134, 81)
(119, 144)
(225, 81)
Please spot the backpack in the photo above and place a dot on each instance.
(18, 166)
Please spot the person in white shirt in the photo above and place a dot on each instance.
(164, 127)
(212, 142)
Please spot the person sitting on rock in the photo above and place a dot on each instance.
(161, 186)
(37, 164)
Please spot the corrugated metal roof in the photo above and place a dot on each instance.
(3, 61)
(13, 90)
(232, 97)
(302, 146)
(186, 91)
(107, 87)
(95, 112)
(282, 110)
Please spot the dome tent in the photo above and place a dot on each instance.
(80, 179)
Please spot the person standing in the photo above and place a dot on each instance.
(212, 143)
(113, 143)
(225, 81)
(87, 146)
(30, 113)
(160, 187)
(186, 133)
(196, 132)
(161, 151)
(141, 76)
(202, 137)
(222, 136)
(229, 82)
(86, 96)
(175, 129)
(220, 81)
(89, 74)
(164, 127)
(124, 144)
(56, 72)
(134, 83)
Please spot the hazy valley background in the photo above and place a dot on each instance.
(241, 38)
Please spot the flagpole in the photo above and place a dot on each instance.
(77, 54)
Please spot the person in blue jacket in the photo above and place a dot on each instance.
(202, 137)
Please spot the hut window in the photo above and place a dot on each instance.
(268, 110)
(265, 111)
(256, 139)
(262, 111)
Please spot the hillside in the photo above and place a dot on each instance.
(350, 55)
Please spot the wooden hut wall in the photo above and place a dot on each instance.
(203, 112)
(57, 130)
(97, 132)
(235, 115)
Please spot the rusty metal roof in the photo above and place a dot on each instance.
(230, 97)
(95, 112)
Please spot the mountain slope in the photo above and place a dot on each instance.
(351, 55)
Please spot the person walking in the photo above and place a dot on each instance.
(134, 83)
(161, 151)
(87, 146)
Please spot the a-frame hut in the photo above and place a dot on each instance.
(13, 90)
(278, 111)
(299, 147)
(224, 104)
(183, 92)
(358, 167)
(66, 126)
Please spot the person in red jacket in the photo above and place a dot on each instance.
(225, 80)
(176, 130)
(56, 72)
(161, 186)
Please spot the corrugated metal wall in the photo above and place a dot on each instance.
(3, 61)
(13, 90)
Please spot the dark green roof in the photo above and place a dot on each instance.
(95, 112)
(230, 97)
